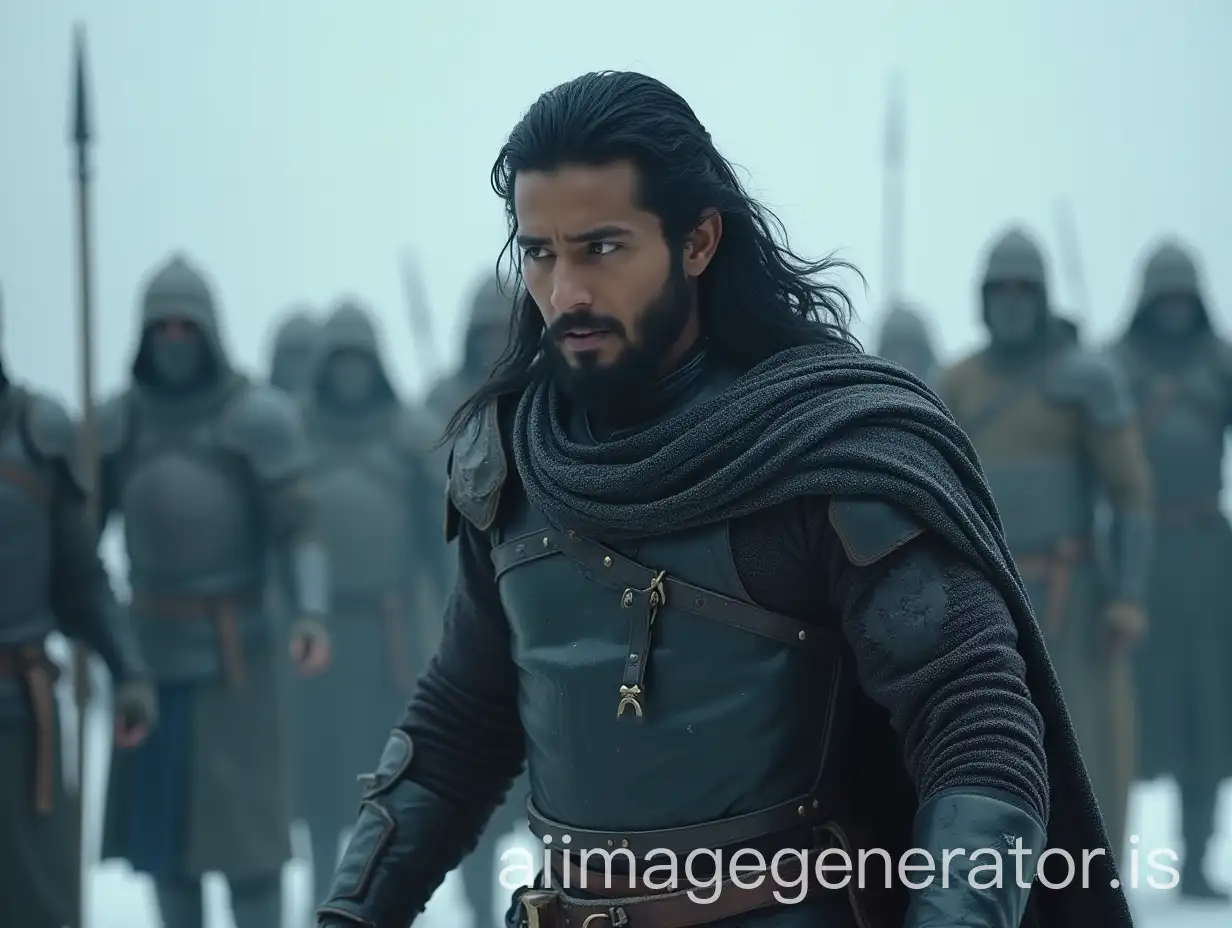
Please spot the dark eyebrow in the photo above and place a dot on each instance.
(591, 235)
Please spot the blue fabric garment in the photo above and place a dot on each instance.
(158, 817)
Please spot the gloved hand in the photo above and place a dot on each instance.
(136, 712)
(309, 646)
(1125, 623)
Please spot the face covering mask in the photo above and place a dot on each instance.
(176, 361)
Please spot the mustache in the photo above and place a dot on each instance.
(582, 319)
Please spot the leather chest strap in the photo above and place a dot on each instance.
(618, 572)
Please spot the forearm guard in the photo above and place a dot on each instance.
(307, 579)
(1133, 532)
(979, 876)
(406, 841)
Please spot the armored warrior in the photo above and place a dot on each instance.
(905, 340)
(380, 518)
(210, 474)
(51, 579)
(1055, 429)
(487, 334)
(725, 583)
(1181, 374)
(293, 349)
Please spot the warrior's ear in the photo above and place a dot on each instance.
(870, 528)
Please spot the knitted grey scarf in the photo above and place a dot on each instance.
(817, 420)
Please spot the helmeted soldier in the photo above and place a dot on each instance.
(1181, 373)
(380, 514)
(51, 579)
(725, 583)
(209, 472)
(1054, 427)
(905, 340)
(487, 335)
(292, 350)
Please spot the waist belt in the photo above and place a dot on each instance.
(224, 610)
(1055, 568)
(739, 830)
(31, 665)
(394, 611)
(627, 902)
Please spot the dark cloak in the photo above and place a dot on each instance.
(828, 420)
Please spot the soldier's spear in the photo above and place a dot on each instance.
(893, 183)
(1071, 258)
(420, 314)
(80, 137)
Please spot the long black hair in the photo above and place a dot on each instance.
(757, 297)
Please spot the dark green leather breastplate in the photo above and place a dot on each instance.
(715, 710)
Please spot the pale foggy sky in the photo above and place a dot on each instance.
(295, 147)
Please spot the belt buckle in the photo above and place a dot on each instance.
(535, 902)
(614, 917)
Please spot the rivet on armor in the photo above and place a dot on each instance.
(609, 842)
(521, 549)
(624, 843)
(816, 804)
(633, 658)
(699, 601)
(803, 635)
(607, 562)
(546, 541)
(802, 810)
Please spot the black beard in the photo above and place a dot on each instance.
(618, 391)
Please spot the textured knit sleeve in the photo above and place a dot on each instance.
(463, 718)
(936, 646)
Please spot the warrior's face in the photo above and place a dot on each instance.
(1014, 312)
(1174, 315)
(616, 300)
(350, 375)
(178, 352)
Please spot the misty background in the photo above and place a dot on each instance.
(296, 149)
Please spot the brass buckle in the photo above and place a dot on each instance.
(614, 917)
(533, 903)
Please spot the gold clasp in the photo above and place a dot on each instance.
(629, 700)
(656, 596)
(656, 593)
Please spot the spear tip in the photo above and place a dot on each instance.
(895, 133)
(81, 129)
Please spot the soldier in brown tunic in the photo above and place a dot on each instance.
(1054, 426)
